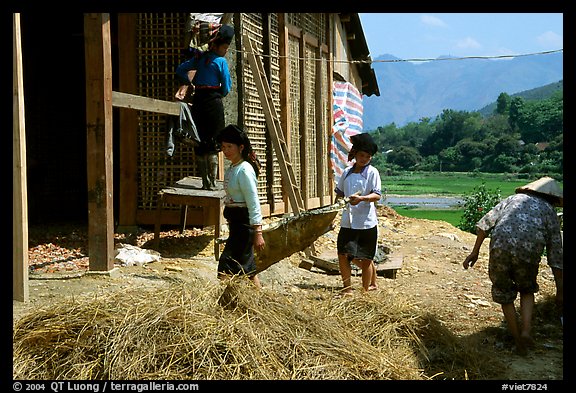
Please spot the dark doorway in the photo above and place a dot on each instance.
(54, 94)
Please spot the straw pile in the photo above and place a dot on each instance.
(229, 331)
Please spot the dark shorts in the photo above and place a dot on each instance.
(238, 254)
(358, 243)
(510, 275)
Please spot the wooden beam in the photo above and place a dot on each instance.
(325, 264)
(304, 100)
(274, 128)
(329, 107)
(98, 60)
(266, 45)
(19, 187)
(284, 65)
(132, 101)
(320, 133)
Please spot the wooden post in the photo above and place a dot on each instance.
(99, 141)
(329, 107)
(19, 188)
(320, 130)
(274, 128)
(284, 64)
(304, 102)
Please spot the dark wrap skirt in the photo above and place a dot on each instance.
(208, 114)
(357, 243)
(238, 254)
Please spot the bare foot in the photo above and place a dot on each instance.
(527, 341)
(373, 287)
(521, 348)
(346, 292)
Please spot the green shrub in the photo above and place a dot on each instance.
(476, 204)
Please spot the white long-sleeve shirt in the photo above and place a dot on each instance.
(240, 185)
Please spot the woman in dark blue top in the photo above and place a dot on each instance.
(208, 73)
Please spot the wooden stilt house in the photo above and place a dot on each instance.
(100, 151)
(300, 54)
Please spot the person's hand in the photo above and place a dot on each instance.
(355, 199)
(181, 93)
(470, 260)
(259, 242)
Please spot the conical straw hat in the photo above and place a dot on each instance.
(545, 186)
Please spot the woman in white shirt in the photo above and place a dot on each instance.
(358, 235)
(241, 205)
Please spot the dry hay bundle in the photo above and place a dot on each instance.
(205, 331)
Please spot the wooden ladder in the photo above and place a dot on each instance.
(274, 127)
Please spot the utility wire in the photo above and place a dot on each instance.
(465, 57)
(409, 60)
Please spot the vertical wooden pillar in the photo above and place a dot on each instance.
(99, 140)
(304, 102)
(320, 131)
(19, 188)
(266, 51)
(330, 107)
(285, 105)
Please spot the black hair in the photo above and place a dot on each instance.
(224, 35)
(362, 142)
(236, 135)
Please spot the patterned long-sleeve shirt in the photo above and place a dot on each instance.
(523, 225)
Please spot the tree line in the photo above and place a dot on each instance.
(520, 136)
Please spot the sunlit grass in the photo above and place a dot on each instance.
(451, 216)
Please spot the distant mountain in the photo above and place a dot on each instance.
(539, 93)
(411, 91)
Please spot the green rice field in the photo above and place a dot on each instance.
(451, 216)
(446, 184)
(449, 183)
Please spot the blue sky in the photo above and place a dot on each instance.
(430, 35)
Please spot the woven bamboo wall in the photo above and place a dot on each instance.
(159, 38)
(295, 101)
(254, 118)
(314, 25)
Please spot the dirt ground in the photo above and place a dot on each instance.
(431, 276)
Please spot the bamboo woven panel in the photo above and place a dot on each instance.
(159, 40)
(313, 23)
(326, 122)
(311, 161)
(295, 102)
(255, 120)
(316, 26)
(275, 87)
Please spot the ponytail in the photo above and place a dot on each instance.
(253, 160)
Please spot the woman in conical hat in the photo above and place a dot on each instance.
(521, 227)
(547, 188)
